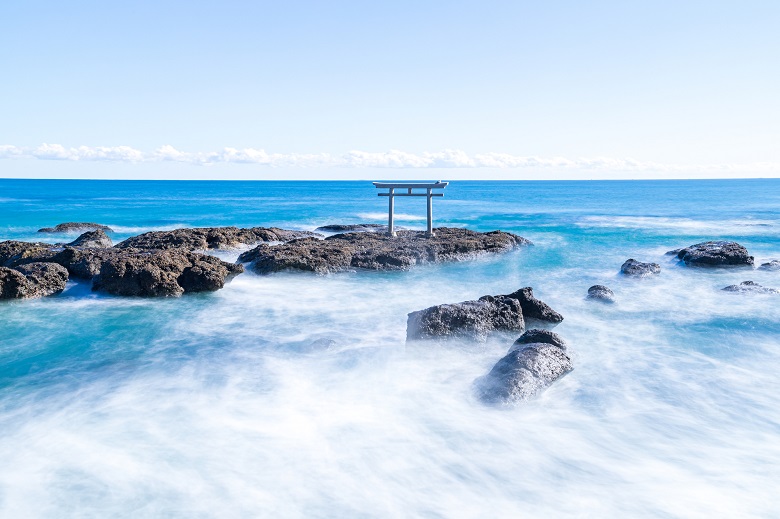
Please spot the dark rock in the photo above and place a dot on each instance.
(601, 293)
(13, 253)
(204, 238)
(77, 226)
(715, 254)
(85, 263)
(534, 308)
(751, 287)
(162, 273)
(535, 335)
(359, 227)
(638, 269)
(469, 319)
(32, 280)
(376, 251)
(13, 284)
(523, 374)
(92, 239)
(772, 265)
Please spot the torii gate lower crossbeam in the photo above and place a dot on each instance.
(409, 187)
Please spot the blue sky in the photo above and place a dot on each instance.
(338, 89)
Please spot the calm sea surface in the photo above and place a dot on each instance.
(223, 404)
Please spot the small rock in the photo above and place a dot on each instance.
(601, 293)
(32, 280)
(536, 335)
(636, 268)
(771, 265)
(715, 254)
(752, 287)
(92, 239)
(77, 226)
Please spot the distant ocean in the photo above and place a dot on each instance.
(219, 405)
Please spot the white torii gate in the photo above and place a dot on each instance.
(391, 194)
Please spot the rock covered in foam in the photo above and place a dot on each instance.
(770, 265)
(715, 254)
(601, 293)
(751, 287)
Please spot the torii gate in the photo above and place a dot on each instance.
(391, 187)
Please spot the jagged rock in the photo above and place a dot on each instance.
(204, 238)
(13, 253)
(32, 280)
(92, 239)
(715, 254)
(535, 335)
(469, 319)
(771, 265)
(162, 273)
(638, 269)
(85, 263)
(752, 287)
(376, 251)
(77, 226)
(523, 374)
(359, 227)
(601, 293)
(534, 308)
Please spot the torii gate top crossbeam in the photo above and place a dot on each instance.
(409, 187)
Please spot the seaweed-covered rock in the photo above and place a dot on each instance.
(637, 269)
(523, 373)
(13, 253)
(536, 335)
(533, 308)
(205, 238)
(376, 251)
(77, 227)
(32, 280)
(162, 273)
(92, 239)
(751, 287)
(715, 254)
(770, 265)
(469, 319)
(601, 293)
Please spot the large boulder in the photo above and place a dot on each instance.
(32, 280)
(77, 227)
(535, 309)
(523, 373)
(470, 319)
(205, 238)
(162, 273)
(601, 293)
(92, 239)
(637, 269)
(377, 251)
(715, 254)
(751, 287)
(536, 335)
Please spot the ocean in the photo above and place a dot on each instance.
(295, 395)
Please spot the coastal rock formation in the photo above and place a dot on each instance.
(204, 238)
(601, 293)
(535, 309)
(77, 226)
(635, 268)
(376, 251)
(92, 239)
(715, 254)
(535, 335)
(751, 287)
(523, 373)
(359, 227)
(771, 265)
(162, 273)
(32, 280)
(85, 263)
(469, 319)
(13, 253)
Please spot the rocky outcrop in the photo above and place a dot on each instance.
(715, 254)
(535, 335)
(205, 238)
(162, 273)
(523, 373)
(470, 319)
(13, 253)
(359, 227)
(376, 251)
(85, 263)
(638, 269)
(92, 239)
(771, 265)
(601, 293)
(751, 287)
(535, 309)
(32, 280)
(77, 227)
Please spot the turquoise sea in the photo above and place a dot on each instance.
(295, 395)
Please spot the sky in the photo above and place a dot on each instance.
(401, 89)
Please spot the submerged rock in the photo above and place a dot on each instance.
(32, 280)
(469, 319)
(535, 335)
(77, 226)
(601, 293)
(92, 239)
(751, 287)
(359, 227)
(162, 273)
(715, 254)
(638, 269)
(523, 373)
(771, 265)
(534, 308)
(205, 238)
(376, 251)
